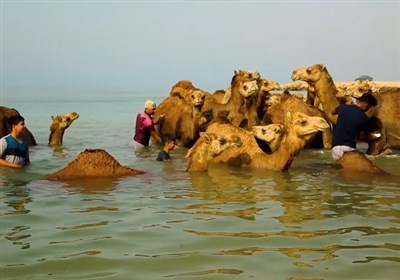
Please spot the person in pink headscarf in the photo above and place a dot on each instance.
(144, 129)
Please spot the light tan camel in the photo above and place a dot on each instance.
(207, 147)
(58, 126)
(5, 129)
(386, 112)
(243, 85)
(293, 103)
(92, 163)
(271, 134)
(298, 128)
(181, 112)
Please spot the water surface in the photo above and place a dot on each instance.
(311, 222)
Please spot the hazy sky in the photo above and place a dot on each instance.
(150, 45)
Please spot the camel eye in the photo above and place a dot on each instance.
(263, 131)
(68, 119)
(308, 71)
(222, 141)
(245, 87)
(303, 123)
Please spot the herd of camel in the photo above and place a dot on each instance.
(254, 122)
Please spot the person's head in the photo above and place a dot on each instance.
(346, 100)
(366, 101)
(150, 107)
(17, 124)
(169, 143)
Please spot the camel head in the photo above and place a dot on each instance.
(245, 87)
(359, 87)
(248, 74)
(271, 134)
(304, 125)
(59, 125)
(216, 144)
(63, 121)
(208, 146)
(310, 74)
(265, 86)
(197, 97)
(273, 99)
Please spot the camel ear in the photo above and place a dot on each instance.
(53, 118)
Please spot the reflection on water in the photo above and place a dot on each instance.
(226, 223)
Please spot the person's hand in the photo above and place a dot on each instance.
(375, 136)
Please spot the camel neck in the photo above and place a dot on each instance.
(326, 91)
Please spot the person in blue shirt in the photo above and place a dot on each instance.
(14, 149)
(169, 145)
(351, 119)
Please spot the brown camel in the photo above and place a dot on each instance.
(363, 166)
(180, 113)
(249, 114)
(207, 147)
(385, 113)
(298, 128)
(265, 87)
(59, 125)
(93, 163)
(292, 103)
(5, 129)
(243, 85)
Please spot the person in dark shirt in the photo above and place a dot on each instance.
(169, 145)
(351, 118)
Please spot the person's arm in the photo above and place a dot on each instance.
(335, 111)
(156, 137)
(3, 162)
(370, 112)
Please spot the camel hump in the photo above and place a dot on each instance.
(93, 163)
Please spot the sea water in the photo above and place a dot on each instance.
(311, 222)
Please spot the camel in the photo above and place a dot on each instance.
(243, 85)
(298, 129)
(385, 113)
(363, 166)
(183, 120)
(5, 129)
(251, 112)
(293, 103)
(271, 134)
(59, 125)
(207, 147)
(265, 87)
(92, 163)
